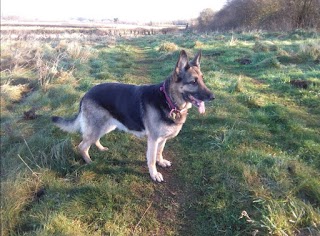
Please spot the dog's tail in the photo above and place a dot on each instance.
(71, 125)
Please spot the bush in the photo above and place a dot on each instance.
(267, 14)
(168, 47)
(265, 47)
(309, 52)
(260, 47)
(271, 62)
(204, 19)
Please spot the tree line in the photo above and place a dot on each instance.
(262, 14)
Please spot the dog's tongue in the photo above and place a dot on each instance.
(201, 108)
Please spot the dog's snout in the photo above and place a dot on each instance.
(211, 96)
(207, 94)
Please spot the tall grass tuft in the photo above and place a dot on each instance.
(168, 47)
(16, 196)
(309, 51)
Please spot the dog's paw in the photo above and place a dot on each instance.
(164, 163)
(103, 149)
(100, 147)
(157, 176)
(87, 160)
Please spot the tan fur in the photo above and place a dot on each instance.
(94, 121)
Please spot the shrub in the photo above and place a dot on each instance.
(168, 47)
(266, 14)
(309, 52)
(265, 47)
(271, 62)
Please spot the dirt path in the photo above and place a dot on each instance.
(171, 196)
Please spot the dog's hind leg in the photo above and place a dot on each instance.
(100, 147)
(107, 129)
(95, 122)
(91, 135)
(84, 147)
(160, 160)
(88, 140)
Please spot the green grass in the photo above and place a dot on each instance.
(257, 148)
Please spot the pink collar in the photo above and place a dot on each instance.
(174, 112)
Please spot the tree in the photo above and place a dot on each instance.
(205, 19)
(264, 14)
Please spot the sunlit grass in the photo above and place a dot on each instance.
(255, 150)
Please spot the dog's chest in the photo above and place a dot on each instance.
(170, 131)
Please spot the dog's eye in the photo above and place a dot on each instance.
(193, 81)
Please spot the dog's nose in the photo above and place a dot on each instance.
(211, 96)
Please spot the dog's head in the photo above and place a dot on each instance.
(188, 81)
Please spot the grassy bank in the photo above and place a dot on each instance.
(249, 166)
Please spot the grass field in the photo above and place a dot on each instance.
(249, 166)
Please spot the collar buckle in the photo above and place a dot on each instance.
(174, 113)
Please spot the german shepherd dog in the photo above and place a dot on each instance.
(157, 111)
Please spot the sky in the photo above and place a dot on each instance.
(124, 10)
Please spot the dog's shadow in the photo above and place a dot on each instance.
(118, 168)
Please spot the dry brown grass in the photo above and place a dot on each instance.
(18, 194)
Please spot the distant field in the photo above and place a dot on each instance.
(79, 24)
(62, 30)
(249, 166)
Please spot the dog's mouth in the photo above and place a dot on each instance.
(197, 103)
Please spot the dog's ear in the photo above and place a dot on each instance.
(196, 60)
(182, 65)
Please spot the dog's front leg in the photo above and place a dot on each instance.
(152, 158)
(162, 162)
